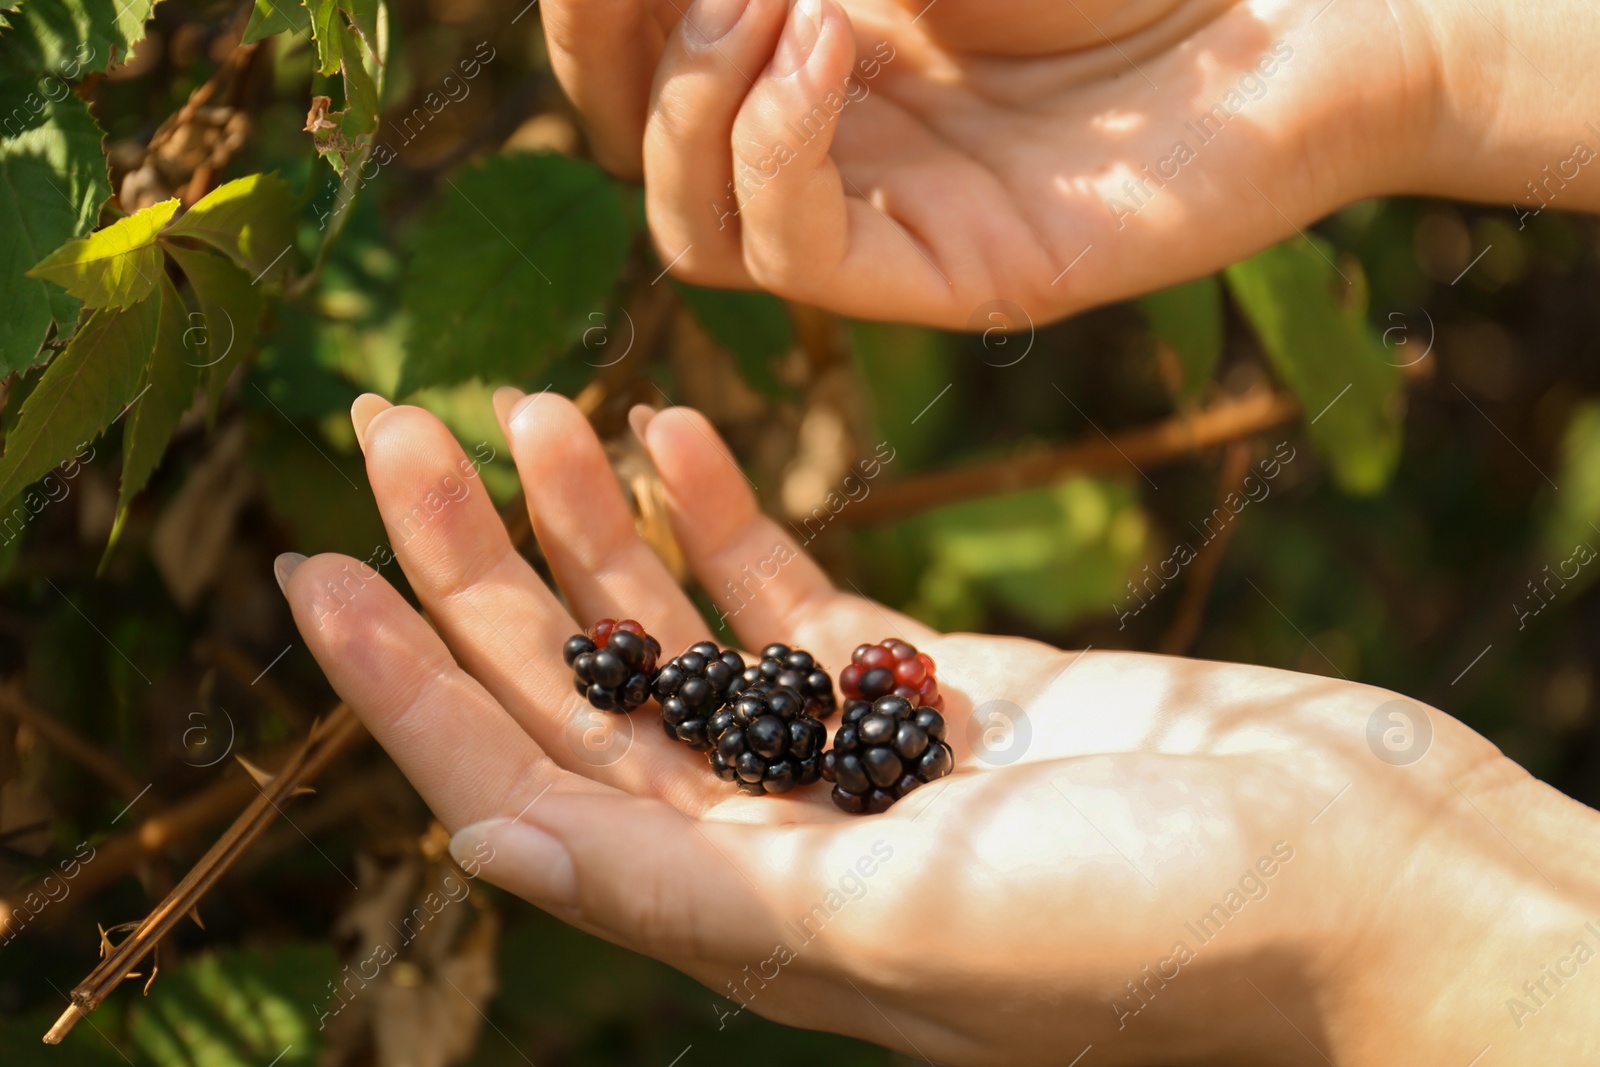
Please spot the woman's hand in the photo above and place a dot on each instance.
(916, 160)
(1164, 859)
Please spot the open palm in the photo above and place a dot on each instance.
(1100, 801)
(899, 159)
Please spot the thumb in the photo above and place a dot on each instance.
(633, 870)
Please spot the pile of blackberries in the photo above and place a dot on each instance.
(761, 726)
(612, 664)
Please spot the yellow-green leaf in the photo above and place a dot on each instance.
(250, 220)
(80, 392)
(1313, 324)
(115, 267)
(166, 391)
(223, 331)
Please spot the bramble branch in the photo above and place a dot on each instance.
(1165, 442)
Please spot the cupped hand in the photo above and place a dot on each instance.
(1139, 853)
(917, 160)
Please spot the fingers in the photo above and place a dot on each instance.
(504, 625)
(808, 231)
(605, 52)
(710, 63)
(754, 569)
(643, 875)
(585, 527)
(466, 757)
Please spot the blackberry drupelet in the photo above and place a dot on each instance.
(764, 741)
(792, 668)
(612, 664)
(892, 666)
(692, 688)
(882, 751)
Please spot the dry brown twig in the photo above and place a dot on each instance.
(327, 740)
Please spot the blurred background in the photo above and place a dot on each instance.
(1373, 454)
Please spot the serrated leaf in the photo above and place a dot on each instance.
(505, 273)
(115, 267)
(325, 30)
(229, 316)
(70, 38)
(271, 17)
(166, 391)
(753, 326)
(80, 393)
(363, 15)
(1325, 351)
(52, 183)
(250, 220)
(1188, 319)
(344, 137)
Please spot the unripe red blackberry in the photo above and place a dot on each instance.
(792, 668)
(612, 664)
(892, 666)
(765, 742)
(884, 750)
(693, 687)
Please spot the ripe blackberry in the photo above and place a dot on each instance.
(612, 664)
(892, 666)
(692, 688)
(884, 750)
(792, 668)
(765, 741)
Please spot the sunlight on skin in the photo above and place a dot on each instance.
(1224, 838)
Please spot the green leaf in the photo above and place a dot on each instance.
(753, 326)
(1188, 319)
(276, 16)
(1328, 355)
(505, 273)
(1052, 554)
(327, 27)
(80, 393)
(52, 183)
(236, 1009)
(166, 391)
(66, 39)
(250, 220)
(345, 137)
(229, 316)
(115, 267)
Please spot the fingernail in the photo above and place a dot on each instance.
(710, 21)
(639, 417)
(799, 38)
(523, 858)
(505, 401)
(522, 406)
(284, 566)
(363, 411)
